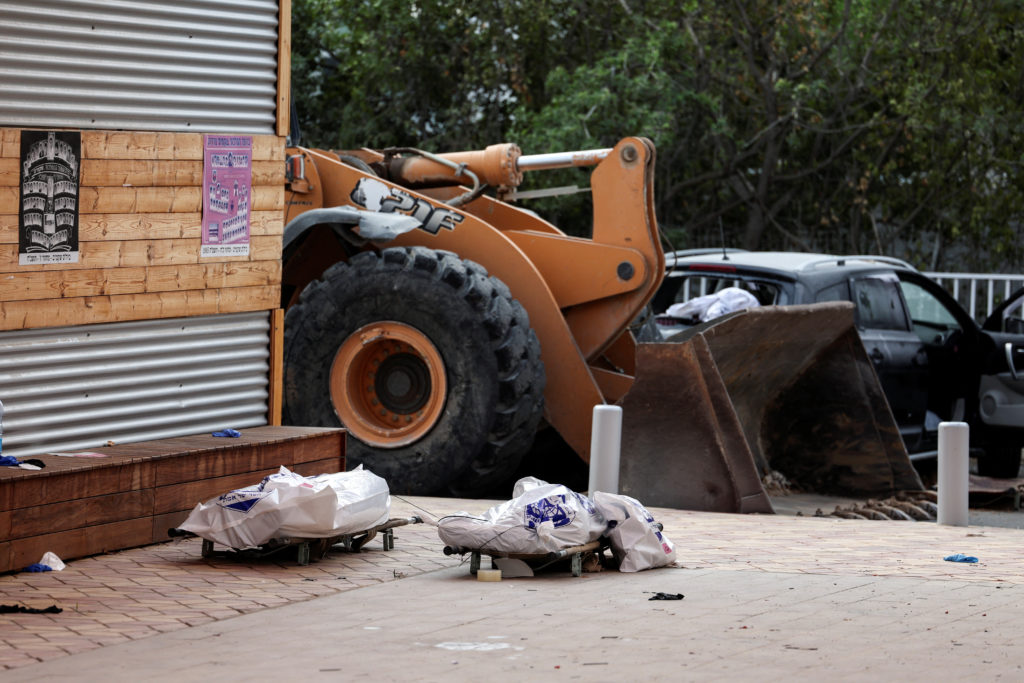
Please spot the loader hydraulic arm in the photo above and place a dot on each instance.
(602, 283)
(592, 288)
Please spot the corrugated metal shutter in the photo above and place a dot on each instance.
(185, 65)
(80, 387)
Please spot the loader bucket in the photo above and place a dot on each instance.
(785, 389)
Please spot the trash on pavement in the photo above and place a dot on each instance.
(52, 561)
(637, 540)
(960, 557)
(667, 596)
(21, 609)
(49, 563)
(488, 575)
(289, 505)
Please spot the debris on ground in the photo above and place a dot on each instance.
(960, 557)
(667, 596)
(30, 464)
(989, 492)
(48, 563)
(21, 609)
(775, 483)
(906, 506)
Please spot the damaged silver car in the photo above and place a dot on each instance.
(934, 362)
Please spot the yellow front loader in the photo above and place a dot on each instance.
(440, 323)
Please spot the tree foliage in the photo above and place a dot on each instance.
(877, 126)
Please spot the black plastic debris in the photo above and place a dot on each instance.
(21, 609)
(666, 596)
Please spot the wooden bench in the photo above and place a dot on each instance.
(76, 507)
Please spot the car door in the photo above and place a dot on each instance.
(1002, 381)
(954, 347)
(896, 352)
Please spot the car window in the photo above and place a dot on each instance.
(926, 309)
(878, 303)
(1012, 317)
(837, 292)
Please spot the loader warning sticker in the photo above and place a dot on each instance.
(227, 187)
(48, 210)
(377, 196)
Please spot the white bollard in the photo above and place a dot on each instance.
(954, 468)
(605, 443)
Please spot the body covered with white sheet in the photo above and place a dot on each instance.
(540, 518)
(289, 505)
(635, 539)
(711, 306)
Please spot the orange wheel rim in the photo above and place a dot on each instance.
(388, 384)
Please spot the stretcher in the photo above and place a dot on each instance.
(307, 549)
(536, 561)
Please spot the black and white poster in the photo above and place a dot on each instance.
(48, 213)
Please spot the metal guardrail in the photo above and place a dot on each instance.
(979, 293)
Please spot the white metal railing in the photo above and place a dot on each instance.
(979, 293)
(701, 289)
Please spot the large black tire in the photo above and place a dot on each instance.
(491, 365)
(1001, 459)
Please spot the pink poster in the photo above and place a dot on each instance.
(227, 186)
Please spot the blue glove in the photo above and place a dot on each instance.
(233, 433)
(960, 557)
(38, 568)
(9, 461)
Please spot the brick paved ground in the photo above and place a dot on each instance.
(145, 592)
(141, 592)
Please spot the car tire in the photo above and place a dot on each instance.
(1002, 460)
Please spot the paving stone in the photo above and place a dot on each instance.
(853, 590)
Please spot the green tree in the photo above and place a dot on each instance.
(432, 73)
(869, 126)
(954, 172)
(886, 126)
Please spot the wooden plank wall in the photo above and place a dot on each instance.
(140, 218)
